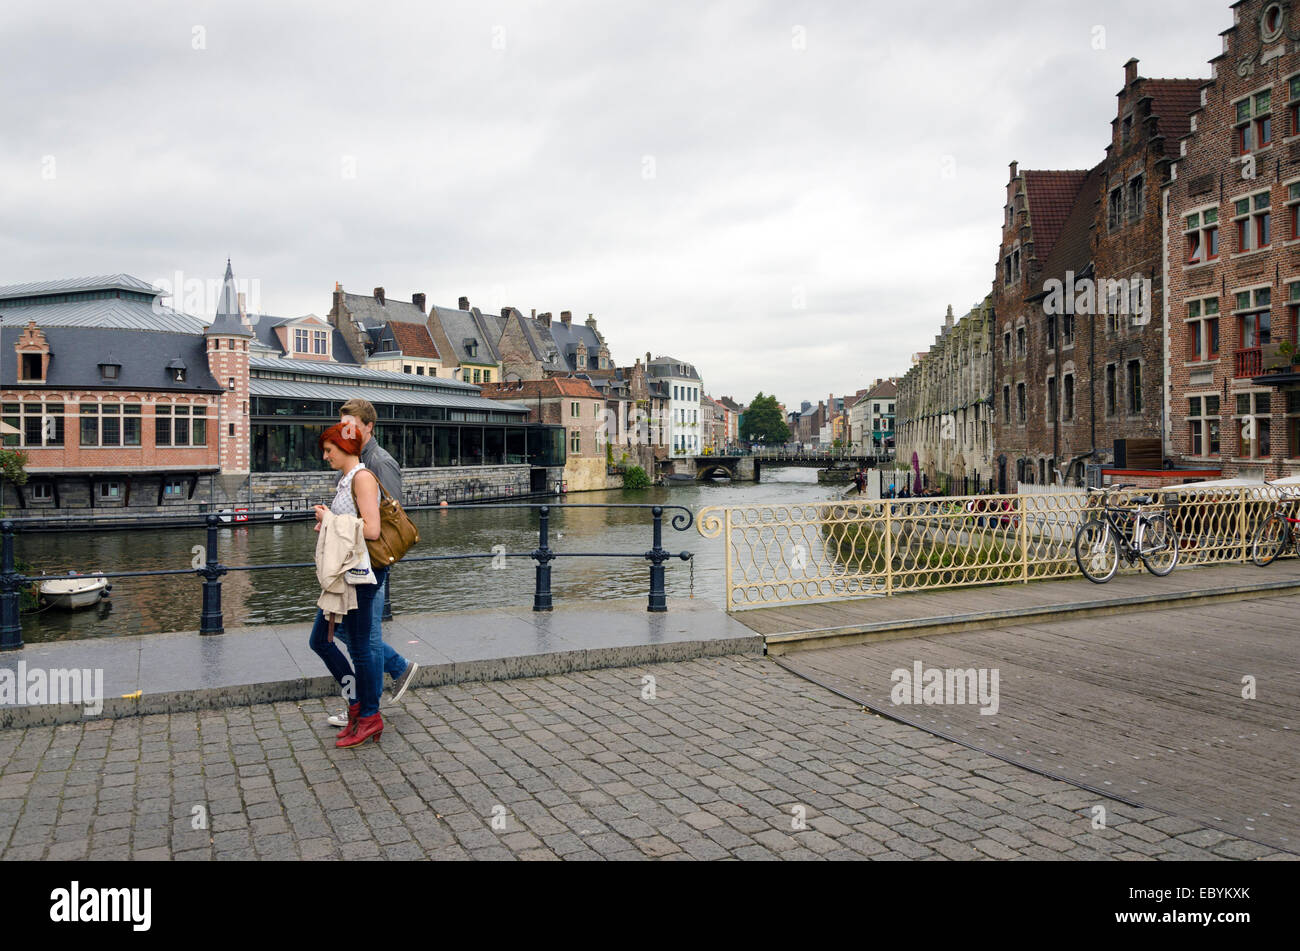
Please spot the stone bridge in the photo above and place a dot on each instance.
(748, 467)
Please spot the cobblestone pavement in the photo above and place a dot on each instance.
(725, 760)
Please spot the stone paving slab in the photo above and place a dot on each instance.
(715, 758)
(170, 673)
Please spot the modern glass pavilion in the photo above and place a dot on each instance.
(425, 422)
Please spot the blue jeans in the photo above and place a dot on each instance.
(363, 640)
(389, 661)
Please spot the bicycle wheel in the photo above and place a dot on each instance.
(1270, 540)
(1096, 551)
(1159, 545)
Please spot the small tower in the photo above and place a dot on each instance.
(227, 348)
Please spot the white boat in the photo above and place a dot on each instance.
(78, 591)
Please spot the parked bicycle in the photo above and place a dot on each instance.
(1125, 530)
(1278, 532)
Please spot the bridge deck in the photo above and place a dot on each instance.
(1147, 708)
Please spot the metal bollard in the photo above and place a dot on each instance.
(657, 556)
(11, 631)
(543, 556)
(210, 622)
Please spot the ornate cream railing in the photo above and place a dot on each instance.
(779, 554)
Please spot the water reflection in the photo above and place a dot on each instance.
(173, 603)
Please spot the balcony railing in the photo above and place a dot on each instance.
(1248, 362)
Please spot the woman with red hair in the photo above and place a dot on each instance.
(341, 448)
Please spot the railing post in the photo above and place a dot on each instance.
(11, 631)
(1024, 541)
(1241, 522)
(726, 546)
(210, 622)
(889, 546)
(543, 556)
(657, 556)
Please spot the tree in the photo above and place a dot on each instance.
(13, 466)
(763, 422)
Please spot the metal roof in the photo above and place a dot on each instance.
(353, 372)
(325, 391)
(114, 313)
(69, 285)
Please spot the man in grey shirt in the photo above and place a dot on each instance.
(361, 414)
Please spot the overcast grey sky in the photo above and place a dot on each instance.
(786, 194)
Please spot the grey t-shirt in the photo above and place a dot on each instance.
(384, 467)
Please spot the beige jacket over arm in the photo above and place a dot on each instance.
(339, 547)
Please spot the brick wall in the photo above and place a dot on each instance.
(1213, 173)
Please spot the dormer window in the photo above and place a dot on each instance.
(109, 370)
(31, 366)
(471, 346)
(176, 370)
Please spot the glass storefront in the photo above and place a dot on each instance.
(285, 434)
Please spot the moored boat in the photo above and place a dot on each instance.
(75, 591)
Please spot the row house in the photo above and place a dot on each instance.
(734, 411)
(573, 404)
(1078, 292)
(944, 401)
(1233, 235)
(871, 417)
(683, 382)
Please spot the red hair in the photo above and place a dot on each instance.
(343, 435)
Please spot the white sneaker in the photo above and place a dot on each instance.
(339, 719)
(400, 685)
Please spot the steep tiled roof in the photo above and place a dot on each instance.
(1173, 101)
(546, 350)
(553, 386)
(885, 389)
(413, 339)
(461, 326)
(369, 311)
(143, 357)
(1051, 195)
(1073, 250)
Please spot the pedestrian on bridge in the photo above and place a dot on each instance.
(361, 416)
(355, 497)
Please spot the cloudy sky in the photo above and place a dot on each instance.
(788, 195)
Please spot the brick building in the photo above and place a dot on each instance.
(117, 398)
(1079, 346)
(1233, 236)
(573, 404)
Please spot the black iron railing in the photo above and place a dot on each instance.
(207, 563)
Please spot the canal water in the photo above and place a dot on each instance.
(173, 603)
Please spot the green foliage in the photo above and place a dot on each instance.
(635, 478)
(29, 598)
(13, 465)
(763, 422)
(609, 454)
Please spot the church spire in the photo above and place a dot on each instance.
(228, 322)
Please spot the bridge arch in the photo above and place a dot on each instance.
(707, 470)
